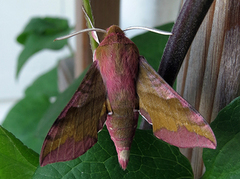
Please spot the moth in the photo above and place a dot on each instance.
(119, 86)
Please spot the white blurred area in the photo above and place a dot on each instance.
(16, 14)
(147, 13)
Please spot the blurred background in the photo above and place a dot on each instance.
(16, 14)
(208, 79)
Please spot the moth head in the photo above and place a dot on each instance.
(114, 29)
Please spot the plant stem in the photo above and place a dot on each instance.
(87, 7)
(184, 31)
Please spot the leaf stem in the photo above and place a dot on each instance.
(87, 7)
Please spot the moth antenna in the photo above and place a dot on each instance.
(149, 29)
(94, 33)
(88, 18)
(79, 32)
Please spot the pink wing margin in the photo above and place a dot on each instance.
(174, 120)
(75, 130)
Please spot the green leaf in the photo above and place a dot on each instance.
(23, 118)
(46, 26)
(16, 160)
(46, 84)
(151, 45)
(149, 158)
(224, 162)
(38, 35)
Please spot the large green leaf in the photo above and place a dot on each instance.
(149, 158)
(224, 162)
(16, 160)
(39, 34)
(23, 118)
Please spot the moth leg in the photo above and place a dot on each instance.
(109, 108)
